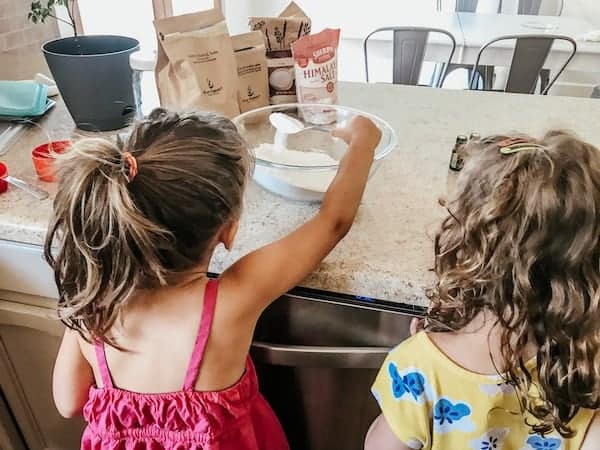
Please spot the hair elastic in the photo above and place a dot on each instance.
(133, 166)
(514, 145)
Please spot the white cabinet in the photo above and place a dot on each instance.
(29, 339)
(23, 270)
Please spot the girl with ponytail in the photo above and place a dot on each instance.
(156, 355)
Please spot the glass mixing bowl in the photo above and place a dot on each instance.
(301, 166)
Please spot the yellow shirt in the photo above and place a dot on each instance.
(432, 403)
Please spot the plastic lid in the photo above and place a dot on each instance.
(144, 61)
(22, 98)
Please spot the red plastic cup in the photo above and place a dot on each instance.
(43, 158)
(3, 173)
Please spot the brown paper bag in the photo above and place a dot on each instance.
(195, 67)
(251, 58)
(280, 32)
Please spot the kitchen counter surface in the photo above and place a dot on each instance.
(388, 254)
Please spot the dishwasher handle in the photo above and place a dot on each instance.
(318, 356)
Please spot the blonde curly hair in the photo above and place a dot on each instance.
(522, 241)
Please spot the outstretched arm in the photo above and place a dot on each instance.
(592, 437)
(267, 273)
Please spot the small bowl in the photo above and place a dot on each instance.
(43, 158)
(3, 173)
(306, 178)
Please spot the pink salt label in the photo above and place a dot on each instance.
(315, 62)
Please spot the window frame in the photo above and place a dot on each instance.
(161, 9)
(164, 8)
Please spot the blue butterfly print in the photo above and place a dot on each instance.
(445, 411)
(542, 443)
(490, 444)
(412, 383)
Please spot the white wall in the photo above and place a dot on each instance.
(579, 84)
(134, 18)
(237, 12)
(99, 17)
(330, 12)
(588, 9)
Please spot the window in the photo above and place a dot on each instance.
(125, 17)
(133, 17)
(187, 6)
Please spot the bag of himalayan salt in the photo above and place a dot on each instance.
(315, 61)
(250, 55)
(280, 32)
(196, 68)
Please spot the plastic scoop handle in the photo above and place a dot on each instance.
(26, 187)
(289, 125)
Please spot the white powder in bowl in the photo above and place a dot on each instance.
(317, 182)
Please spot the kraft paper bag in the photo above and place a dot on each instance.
(251, 58)
(280, 32)
(196, 67)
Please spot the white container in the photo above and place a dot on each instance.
(144, 84)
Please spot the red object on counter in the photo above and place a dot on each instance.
(3, 173)
(43, 158)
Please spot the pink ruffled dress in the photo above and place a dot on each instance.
(237, 418)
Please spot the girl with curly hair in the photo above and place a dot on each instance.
(509, 357)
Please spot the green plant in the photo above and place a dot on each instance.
(40, 11)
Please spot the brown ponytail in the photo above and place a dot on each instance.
(112, 234)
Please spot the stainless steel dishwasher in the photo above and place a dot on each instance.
(317, 356)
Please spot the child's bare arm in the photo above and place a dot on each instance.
(381, 437)
(272, 270)
(72, 377)
(592, 437)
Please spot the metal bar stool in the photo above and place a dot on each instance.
(530, 54)
(409, 45)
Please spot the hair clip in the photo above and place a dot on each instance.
(514, 145)
(133, 167)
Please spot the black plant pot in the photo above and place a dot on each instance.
(93, 76)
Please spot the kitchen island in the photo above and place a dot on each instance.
(388, 254)
(385, 262)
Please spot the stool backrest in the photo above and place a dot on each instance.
(529, 7)
(466, 6)
(529, 57)
(409, 45)
(541, 7)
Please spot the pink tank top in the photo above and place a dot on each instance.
(237, 418)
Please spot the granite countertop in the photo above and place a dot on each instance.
(388, 254)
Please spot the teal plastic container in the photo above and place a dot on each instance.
(22, 98)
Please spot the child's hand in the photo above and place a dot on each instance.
(361, 132)
(302, 250)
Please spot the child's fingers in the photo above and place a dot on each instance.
(343, 133)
